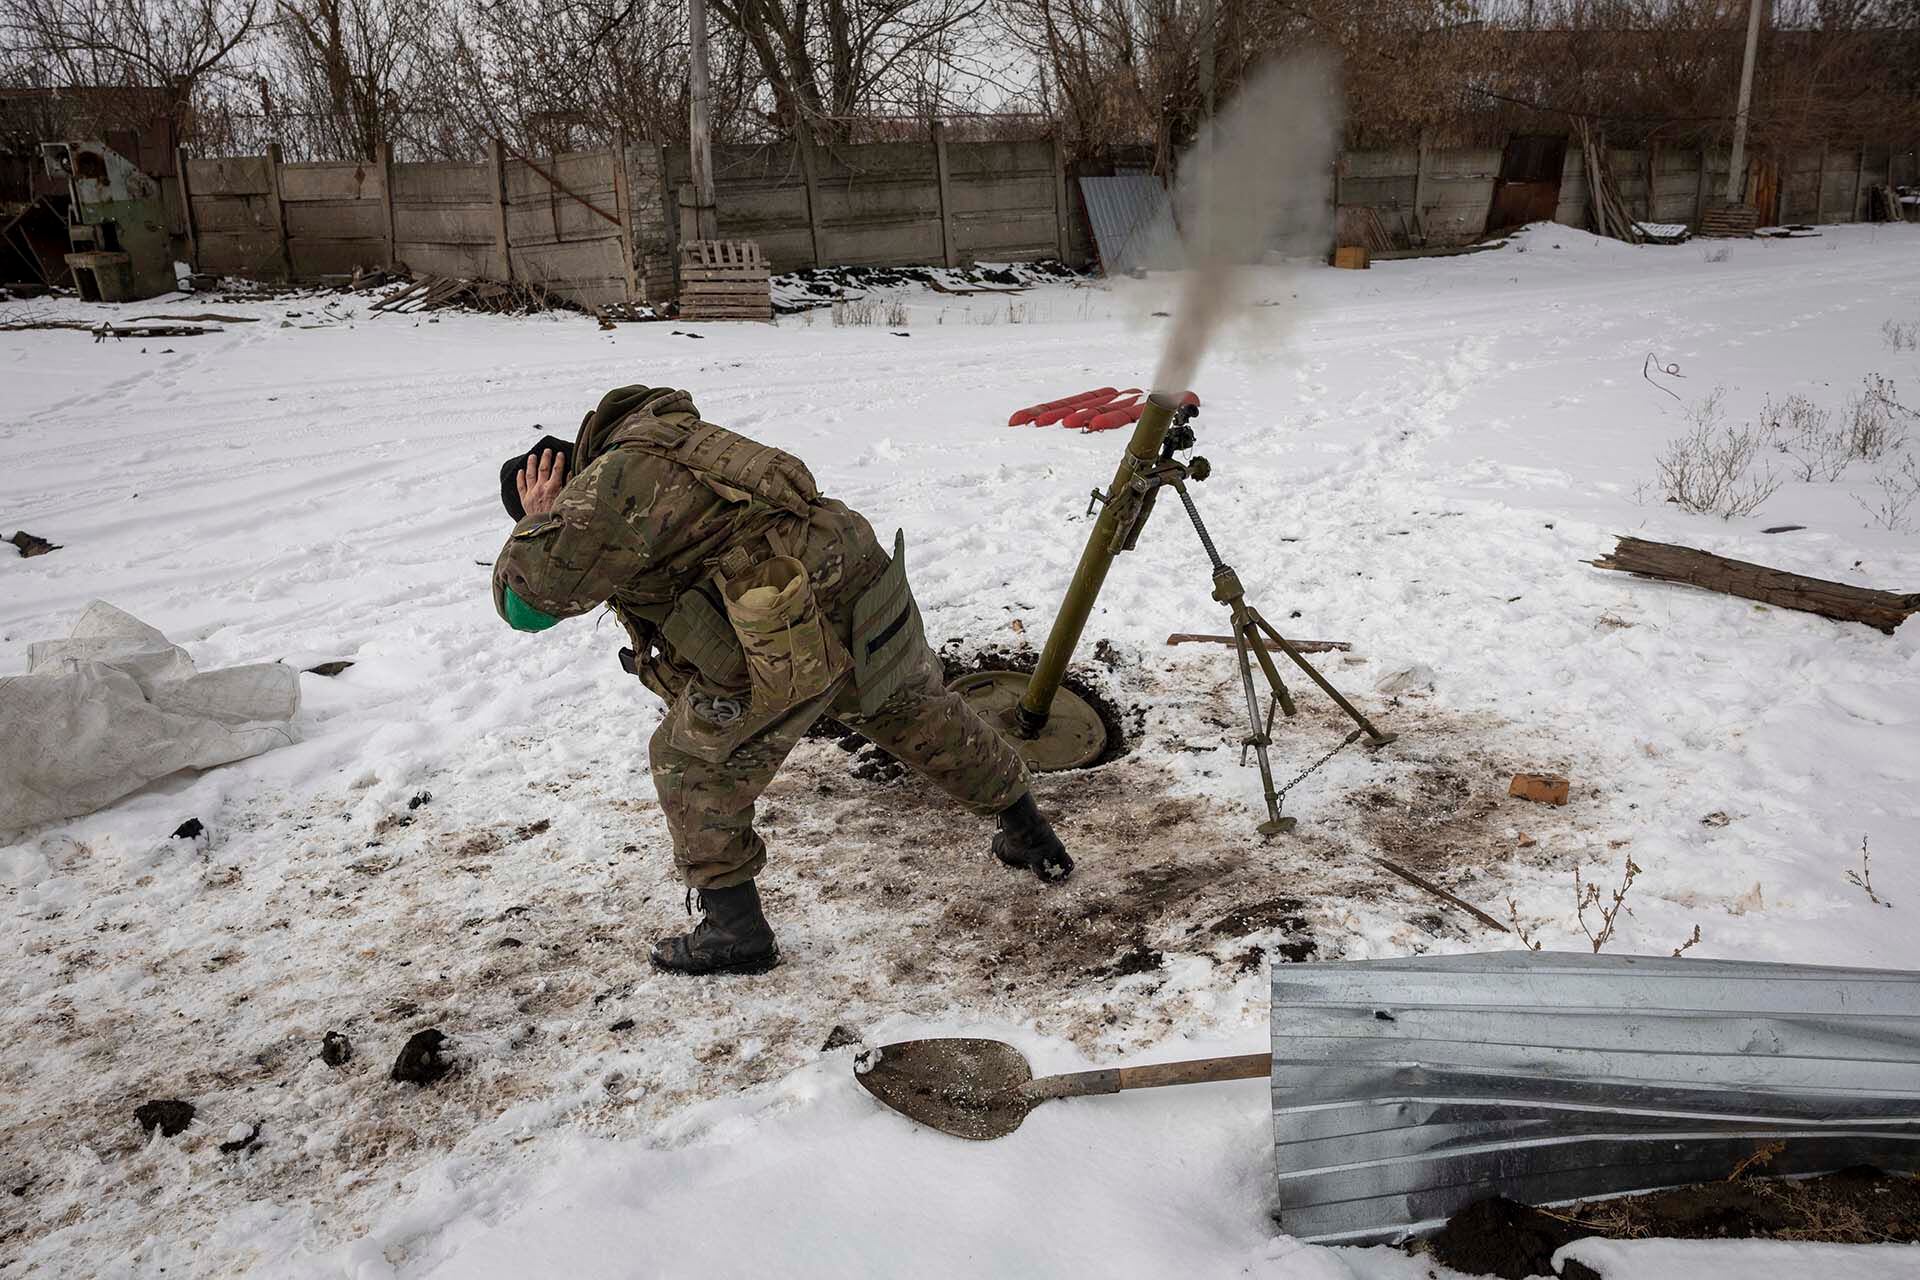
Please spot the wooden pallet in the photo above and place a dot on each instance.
(724, 280)
(1730, 220)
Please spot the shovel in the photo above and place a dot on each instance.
(983, 1089)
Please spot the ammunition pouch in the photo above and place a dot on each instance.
(789, 651)
(792, 653)
(645, 662)
(888, 635)
(698, 634)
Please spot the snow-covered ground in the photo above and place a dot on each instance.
(1418, 459)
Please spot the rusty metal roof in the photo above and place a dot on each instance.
(1132, 223)
(1406, 1089)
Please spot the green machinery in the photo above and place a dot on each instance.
(116, 221)
(1053, 727)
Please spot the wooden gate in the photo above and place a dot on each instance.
(1528, 189)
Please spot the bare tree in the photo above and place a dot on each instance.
(176, 45)
(352, 70)
(829, 61)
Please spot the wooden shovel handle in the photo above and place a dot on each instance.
(1077, 1084)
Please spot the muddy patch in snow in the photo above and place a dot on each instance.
(518, 923)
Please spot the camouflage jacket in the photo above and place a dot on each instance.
(637, 530)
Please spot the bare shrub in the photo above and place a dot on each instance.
(1899, 486)
(896, 314)
(1710, 469)
(1803, 431)
(1863, 878)
(1606, 909)
(1901, 336)
(856, 312)
(1722, 254)
(1874, 420)
(1587, 897)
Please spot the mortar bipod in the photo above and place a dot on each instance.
(1252, 636)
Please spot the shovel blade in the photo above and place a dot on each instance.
(968, 1088)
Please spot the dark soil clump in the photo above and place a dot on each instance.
(239, 1145)
(1854, 1206)
(1499, 1237)
(420, 1061)
(1137, 958)
(335, 1049)
(168, 1115)
(30, 545)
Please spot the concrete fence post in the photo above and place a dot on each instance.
(623, 210)
(803, 139)
(278, 210)
(497, 159)
(1420, 187)
(1062, 239)
(949, 244)
(1700, 187)
(1820, 187)
(669, 218)
(186, 207)
(383, 161)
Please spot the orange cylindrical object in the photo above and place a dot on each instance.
(1031, 414)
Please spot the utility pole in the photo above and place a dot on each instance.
(1206, 59)
(1208, 179)
(1737, 164)
(699, 133)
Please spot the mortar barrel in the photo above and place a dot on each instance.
(1142, 450)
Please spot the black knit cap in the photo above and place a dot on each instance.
(512, 467)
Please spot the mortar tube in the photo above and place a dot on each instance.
(1084, 588)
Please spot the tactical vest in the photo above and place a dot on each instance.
(887, 632)
(757, 476)
(736, 468)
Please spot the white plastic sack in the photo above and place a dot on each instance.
(115, 706)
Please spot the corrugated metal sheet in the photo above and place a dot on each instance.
(1132, 223)
(1403, 1090)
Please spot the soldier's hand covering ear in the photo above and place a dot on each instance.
(540, 482)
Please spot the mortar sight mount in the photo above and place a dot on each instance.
(1054, 728)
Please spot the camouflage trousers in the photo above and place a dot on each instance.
(709, 806)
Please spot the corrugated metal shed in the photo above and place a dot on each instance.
(1403, 1090)
(1132, 223)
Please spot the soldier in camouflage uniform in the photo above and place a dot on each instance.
(754, 605)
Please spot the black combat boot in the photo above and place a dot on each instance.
(1026, 841)
(733, 938)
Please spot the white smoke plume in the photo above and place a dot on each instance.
(1255, 182)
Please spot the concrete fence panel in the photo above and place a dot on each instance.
(237, 231)
(444, 219)
(336, 217)
(877, 204)
(1388, 182)
(1004, 200)
(564, 230)
(1840, 185)
(1800, 185)
(1457, 193)
(1674, 175)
